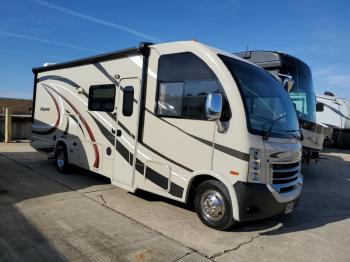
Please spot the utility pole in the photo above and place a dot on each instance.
(8, 125)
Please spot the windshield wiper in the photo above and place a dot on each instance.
(301, 137)
(267, 133)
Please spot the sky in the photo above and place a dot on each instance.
(33, 32)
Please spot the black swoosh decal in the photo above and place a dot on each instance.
(58, 78)
(151, 174)
(67, 128)
(227, 150)
(337, 111)
(104, 71)
(126, 130)
(111, 78)
(165, 157)
(106, 133)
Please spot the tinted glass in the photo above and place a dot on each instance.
(170, 99)
(267, 104)
(302, 93)
(184, 82)
(101, 98)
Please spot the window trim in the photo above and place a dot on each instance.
(90, 98)
(224, 96)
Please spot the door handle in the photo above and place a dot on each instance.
(119, 132)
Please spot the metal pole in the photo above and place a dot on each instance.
(7, 125)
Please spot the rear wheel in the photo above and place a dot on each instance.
(213, 205)
(61, 159)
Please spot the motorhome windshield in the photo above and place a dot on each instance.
(267, 104)
(302, 92)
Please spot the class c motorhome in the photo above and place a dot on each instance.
(295, 76)
(183, 120)
(334, 113)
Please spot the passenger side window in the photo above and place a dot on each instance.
(184, 82)
(101, 98)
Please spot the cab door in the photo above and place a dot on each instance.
(126, 128)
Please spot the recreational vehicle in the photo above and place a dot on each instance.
(295, 76)
(183, 120)
(334, 113)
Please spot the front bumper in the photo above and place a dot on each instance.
(256, 201)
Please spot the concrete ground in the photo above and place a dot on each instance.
(46, 216)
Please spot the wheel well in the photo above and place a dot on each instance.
(60, 143)
(194, 185)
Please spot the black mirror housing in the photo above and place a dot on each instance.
(319, 107)
(128, 100)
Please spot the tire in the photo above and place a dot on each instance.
(61, 159)
(213, 193)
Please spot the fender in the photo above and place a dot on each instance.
(222, 179)
(62, 140)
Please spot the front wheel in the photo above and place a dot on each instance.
(61, 159)
(213, 205)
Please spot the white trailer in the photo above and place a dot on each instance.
(182, 120)
(334, 113)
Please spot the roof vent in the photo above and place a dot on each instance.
(327, 93)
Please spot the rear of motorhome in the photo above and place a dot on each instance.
(295, 76)
(182, 120)
(334, 113)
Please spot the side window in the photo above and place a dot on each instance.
(101, 98)
(184, 82)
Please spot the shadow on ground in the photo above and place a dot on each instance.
(325, 199)
(19, 238)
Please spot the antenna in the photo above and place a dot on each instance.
(246, 51)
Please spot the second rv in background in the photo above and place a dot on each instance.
(288, 69)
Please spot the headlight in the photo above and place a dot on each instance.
(254, 175)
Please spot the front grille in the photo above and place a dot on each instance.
(285, 176)
(284, 166)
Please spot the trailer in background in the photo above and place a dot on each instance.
(334, 113)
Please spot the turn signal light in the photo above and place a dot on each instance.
(234, 173)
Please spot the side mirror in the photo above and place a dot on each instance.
(213, 106)
(288, 81)
(128, 100)
(319, 107)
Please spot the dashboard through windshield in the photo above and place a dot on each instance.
(267, 104)
(302, 92)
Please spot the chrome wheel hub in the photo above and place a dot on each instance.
(60, 159)
(213, 205)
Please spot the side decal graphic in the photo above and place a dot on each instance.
(151, 174)
(54, 128)
(230, 151)
(58, 78)
(91, 135)
(336, 111)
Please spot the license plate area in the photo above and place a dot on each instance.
(289, 208)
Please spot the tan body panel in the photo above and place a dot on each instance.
(171, 151)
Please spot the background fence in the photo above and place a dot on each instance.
(20, 127)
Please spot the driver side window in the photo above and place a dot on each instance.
(184, 82)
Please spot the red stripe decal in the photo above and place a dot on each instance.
(91, 135)
(57, 108)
